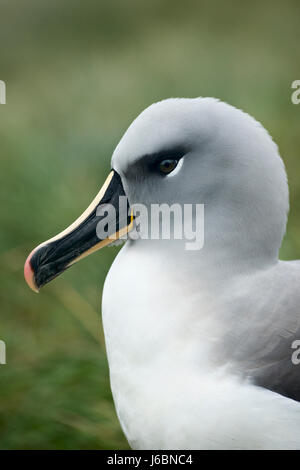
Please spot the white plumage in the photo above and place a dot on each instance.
(199, 343)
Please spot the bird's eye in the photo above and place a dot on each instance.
(167, 166)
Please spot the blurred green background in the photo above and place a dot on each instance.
(77, 73)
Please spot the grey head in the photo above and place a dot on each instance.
(187, 151)
(225, 160)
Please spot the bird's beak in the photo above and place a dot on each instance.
(81, 238)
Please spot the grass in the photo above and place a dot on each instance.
(76, 76)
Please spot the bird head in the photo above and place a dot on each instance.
(183, 151)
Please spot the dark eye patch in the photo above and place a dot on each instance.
(150, 163)
(155, 160)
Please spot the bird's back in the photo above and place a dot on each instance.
(263, 342)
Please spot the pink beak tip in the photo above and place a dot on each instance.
(29, 274)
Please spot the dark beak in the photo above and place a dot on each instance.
(54, 256)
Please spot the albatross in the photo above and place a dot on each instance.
(199, 342)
